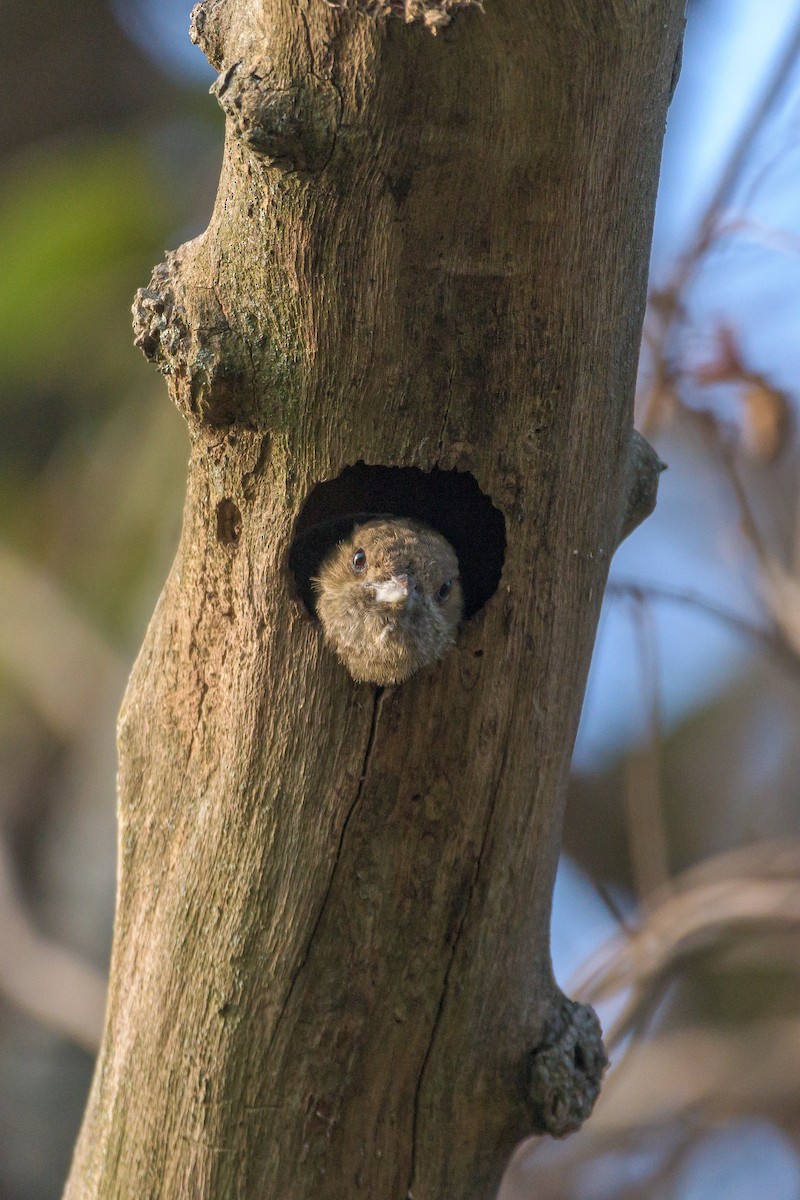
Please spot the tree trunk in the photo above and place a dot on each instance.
(331, 971)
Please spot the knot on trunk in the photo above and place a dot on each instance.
(643, 471)
(185, 333)
(159, 322)
(566, 1069)
(293, 127)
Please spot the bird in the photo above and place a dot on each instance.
(389, 599)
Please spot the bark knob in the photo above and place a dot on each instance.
(293, 127)
(566, 1069)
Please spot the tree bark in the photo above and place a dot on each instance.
(331, 971)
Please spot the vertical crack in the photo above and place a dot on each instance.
(445, 981)
(448, 403)
(376, 711)
(198, 655)
(309, 46)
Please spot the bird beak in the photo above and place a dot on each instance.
(394, 591)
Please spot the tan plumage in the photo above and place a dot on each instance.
(397, 610)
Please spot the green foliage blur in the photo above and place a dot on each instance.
(92, 461)
(108, 160)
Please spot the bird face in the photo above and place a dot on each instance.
(389, 599)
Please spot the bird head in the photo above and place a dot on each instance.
(389, 599)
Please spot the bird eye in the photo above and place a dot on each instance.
(359, 560)
(444, 591)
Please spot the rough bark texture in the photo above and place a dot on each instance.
(331, 971)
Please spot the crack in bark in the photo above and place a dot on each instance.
(445, 982)
(447, 406)
(258, 467)
(198, 717)
(376, 710)
(198, 661)
(309, 46)
(322, 79)
(216, 288)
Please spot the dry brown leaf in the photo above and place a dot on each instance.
(728, 364)
(767, 419)
(782, 597)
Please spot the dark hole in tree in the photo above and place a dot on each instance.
(229, 522)
(449, 501)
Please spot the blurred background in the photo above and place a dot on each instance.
(677, 908)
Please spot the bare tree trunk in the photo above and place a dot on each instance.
(331, 971)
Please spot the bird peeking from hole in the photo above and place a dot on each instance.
(389, 599)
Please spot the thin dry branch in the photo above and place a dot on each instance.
(706, 909)
(53, 655)
(42, 978)
(667, 307)
(771, 640)
(643, 805)
(730, 177)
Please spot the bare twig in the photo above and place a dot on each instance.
(644, 812)
(51, 652)
(771, 640)
(668, 304)
(705, 910)
(749, 524)
(732, 171)
(42, 978)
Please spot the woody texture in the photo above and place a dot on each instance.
(419, 297)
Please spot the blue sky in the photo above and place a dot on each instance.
(689, 542)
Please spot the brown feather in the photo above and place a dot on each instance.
(385, 640)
